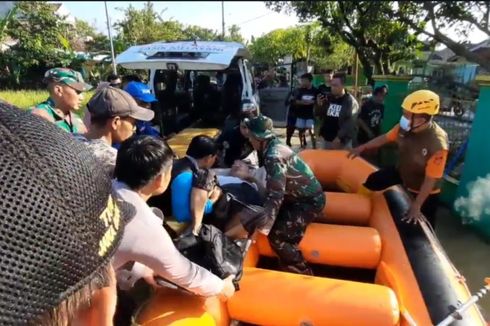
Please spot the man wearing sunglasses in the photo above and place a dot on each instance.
(65, 87)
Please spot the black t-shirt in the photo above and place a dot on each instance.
(235, 146)
(340, 114)
(305, 111)
(372, 113)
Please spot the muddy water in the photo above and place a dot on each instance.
(468, 252)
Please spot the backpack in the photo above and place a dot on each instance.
(213, 250)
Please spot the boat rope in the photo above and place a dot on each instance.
(436, 244)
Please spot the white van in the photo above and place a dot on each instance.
(197, 77)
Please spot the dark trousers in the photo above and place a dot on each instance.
(288, 231)
(387, 177)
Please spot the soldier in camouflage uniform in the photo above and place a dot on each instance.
(294, 196)
(66, 87)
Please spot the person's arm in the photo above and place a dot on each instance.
(377, 142)
(203, 185)
(362, 125)
(199, 197)
(148, 243)
(276, 187)
(363, 115)
(433, 172)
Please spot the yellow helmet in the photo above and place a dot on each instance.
(422, 102)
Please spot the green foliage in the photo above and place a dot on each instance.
(462, 17)
(271, 47)
(234, 35)
(147, 26)
(41, 36)
(367, 26)
(310, 42)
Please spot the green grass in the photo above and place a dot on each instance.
(26, 98)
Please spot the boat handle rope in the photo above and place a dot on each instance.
(434, 241)
(462, 307)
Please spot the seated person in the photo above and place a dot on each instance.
(56, 251)
(241, 172)
(143, 170)
(193, 189)
(113, 114)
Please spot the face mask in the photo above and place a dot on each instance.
(405, 123)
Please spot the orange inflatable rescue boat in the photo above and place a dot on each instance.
(371, 268)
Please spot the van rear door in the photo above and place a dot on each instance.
(181, 55)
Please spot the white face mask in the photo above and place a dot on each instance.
(405, 123)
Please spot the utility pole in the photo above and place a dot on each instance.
(223, 20)
(114, 70)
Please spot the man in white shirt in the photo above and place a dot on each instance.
(143, 169)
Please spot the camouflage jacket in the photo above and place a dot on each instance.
(289, 180)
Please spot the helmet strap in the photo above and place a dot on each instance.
(413, 128)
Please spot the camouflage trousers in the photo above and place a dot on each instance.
(288, 231)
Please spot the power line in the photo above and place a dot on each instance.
(252, 19)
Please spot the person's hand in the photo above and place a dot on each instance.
(336, 143)
(215, 194)
(320, 99)
(228, 288)
(355, 152)
(240, 170)
(195, 229)
(414, 215)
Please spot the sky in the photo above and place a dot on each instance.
(252, 16)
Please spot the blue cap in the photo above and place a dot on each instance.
(140, 92)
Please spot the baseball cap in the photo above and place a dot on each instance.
(140, 91)
(60, 222)
(260, 126)
(111, 101)
(68, 77)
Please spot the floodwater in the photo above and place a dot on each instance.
(468, 252)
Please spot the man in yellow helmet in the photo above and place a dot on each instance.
(423, 147)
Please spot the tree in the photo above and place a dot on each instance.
(234, 34)
(147, 26)
(302, 42)
(194, 32)
(330, 51)
(271, 47)
(41, 44)
(440, 16)
(368, 27)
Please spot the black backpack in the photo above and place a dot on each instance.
(213, 250)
